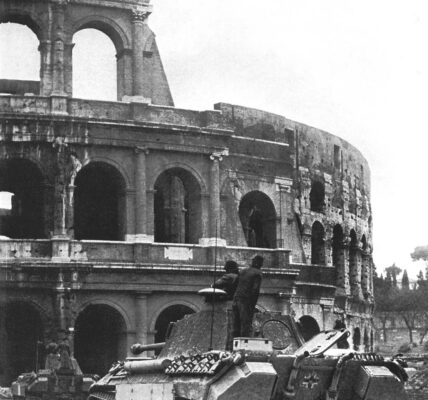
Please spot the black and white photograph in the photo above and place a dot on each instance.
(213, 200)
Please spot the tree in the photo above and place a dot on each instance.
(393, 270)
(405, 284)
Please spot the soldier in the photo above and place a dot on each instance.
(246, 296)
(229, 281)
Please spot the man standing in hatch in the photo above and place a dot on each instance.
(246, 296)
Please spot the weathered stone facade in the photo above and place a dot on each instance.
(121, 209)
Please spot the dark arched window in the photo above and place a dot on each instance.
(22, 187)
(22, 331)
(100, 338)
(177, 207)
(317, 196)
(309, 327)
(99, 203)
(258, 217)
(317, 244)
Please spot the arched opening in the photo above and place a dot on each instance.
(21, 332)
(99, 203)
(316, 196)
(100, 338)
(170, 314)
(318, 244)
(94, 66)
(177, 207)
(21, 65)
(258, 218)
(356, 339)
(21, 211)
(364, 243)
(309, 327)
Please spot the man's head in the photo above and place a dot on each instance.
(257, 262)
(231, 267)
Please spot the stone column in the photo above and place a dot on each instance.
(355, 271)
(141, 319)
(214, 213)
(124, 73)
(138, 22)
(342, 270)
(48, 208)
(69, 219)
(365, 266)
(45, 49)
(68, 69)
(141, 203)
(58, 45)
(283, 189)
(150, 230)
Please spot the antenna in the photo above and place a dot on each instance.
(213, 294)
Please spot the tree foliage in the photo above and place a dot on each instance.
(411, 304)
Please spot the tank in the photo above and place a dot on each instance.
(201, 361)
(60, 379)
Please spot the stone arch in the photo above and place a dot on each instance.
(22, 329)
(308, 327)
(177, 207)
(177, 165)
(22, 178)
(169, 314)
(117, 165)
(120, 309)
(22, 17)
(184, 303)
(100, 338)
(106, 25)
(99, 203)
(258, 219)
(318, 243)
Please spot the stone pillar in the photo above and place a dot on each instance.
(329, 252)
(214, 212)
(307, 246)
(68, 69)
(150, 228)
(141, 319)
(141, 204)
(342, 270)
(48, 200)
(285, 212)
(45, 49)
(355, 272)
(69, 217)
(365, 271)
(130, 215)
(138, 22)
(58, 46)
(124, 73)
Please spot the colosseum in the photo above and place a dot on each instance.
(120, 211)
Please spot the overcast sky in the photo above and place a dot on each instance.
(358, 69)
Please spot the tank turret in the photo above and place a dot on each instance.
(201, 360)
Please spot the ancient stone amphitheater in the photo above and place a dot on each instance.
(119, 211)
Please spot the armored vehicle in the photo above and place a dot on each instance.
(201, 361)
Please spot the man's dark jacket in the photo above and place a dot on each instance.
(249, 285)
